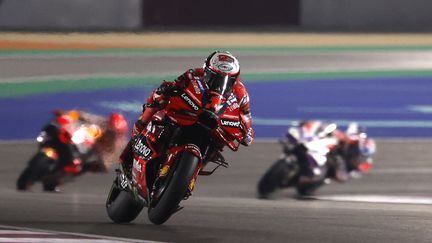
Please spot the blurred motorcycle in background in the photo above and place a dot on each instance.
(314, 153)
(72, 143)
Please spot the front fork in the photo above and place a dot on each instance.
(124, 183)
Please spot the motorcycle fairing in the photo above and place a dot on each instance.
(317, 148)
(185, 108)
(143, 152)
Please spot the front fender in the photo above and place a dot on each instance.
(175, 151)
(191, 148)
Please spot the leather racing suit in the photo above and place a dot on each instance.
(157, 100)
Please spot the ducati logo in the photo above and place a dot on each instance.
(229, 123)
(189, 101)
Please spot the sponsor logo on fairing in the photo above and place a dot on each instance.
(137, 165)
(189, 101)
(232, 103)
(196, 87)
(142, 148)
(229, 123)
(123, 181)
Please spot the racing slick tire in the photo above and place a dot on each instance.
(121, 205)
(37, 167)
(51, 183)
(175, 190)
(272, 179)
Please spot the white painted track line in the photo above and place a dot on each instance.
(377, 199)
(29, 235)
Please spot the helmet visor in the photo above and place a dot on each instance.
(222, 84)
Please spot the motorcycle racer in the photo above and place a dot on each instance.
(351, 154)
(110, 133)
(72, 143)
(356, 149)
(315, 130)
(220, 75)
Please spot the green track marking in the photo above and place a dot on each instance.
(337, 75)
(85, 84)
(204, 51)
(47, 86)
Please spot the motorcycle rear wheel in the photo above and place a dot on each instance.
(176, 189)
(121, 206)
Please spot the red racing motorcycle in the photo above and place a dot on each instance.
(66, 150)
(176, 146)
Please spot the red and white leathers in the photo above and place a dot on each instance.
(158, 98)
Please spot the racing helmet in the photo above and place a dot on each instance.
(366, 149)
(221, 70)
(118, 123)
(361, 147)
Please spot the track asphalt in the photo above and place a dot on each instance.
(385, 87)
(224, 207)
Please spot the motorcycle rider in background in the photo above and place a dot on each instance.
(220, 72)
(351, 156)
(356, 150)
(111, 133)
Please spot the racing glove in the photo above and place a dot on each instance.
(166, 89)
(246, 128)
(248, 137)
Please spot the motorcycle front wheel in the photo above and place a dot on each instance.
(37, 167)
(273, 178)
(175, 189)
(121, 206)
